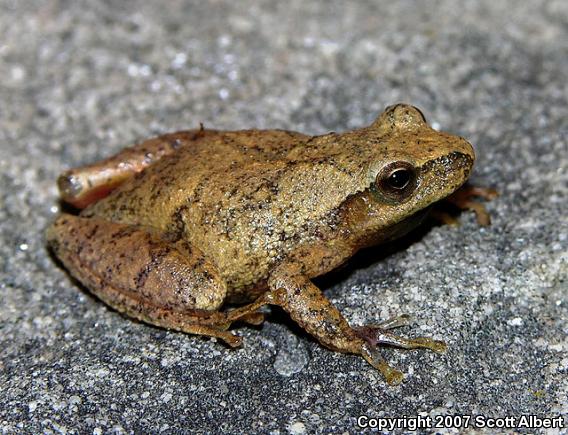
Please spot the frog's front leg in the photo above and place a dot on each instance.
(306, 304)
(463, 200)
(141, 273)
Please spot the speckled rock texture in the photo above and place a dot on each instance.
(80, 80)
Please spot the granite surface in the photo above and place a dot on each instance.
(82, 79)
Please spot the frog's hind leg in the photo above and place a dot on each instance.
(168, 284)
(85, 185)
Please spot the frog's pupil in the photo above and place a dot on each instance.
(399, 178)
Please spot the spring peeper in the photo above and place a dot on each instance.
(176, 228)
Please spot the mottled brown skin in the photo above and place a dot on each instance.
(179, 225)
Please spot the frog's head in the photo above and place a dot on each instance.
(411, 166)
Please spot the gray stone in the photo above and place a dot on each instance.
(80, 80)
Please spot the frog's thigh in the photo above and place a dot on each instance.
(85, 185)
(136, 272)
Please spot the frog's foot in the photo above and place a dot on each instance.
(462, 199)
(372, 356)
(378, 334)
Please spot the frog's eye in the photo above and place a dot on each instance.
(397, 180)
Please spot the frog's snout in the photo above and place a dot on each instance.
(464, 147)
(459, 164)
(445, 174)
(454, 160)
(466, 157)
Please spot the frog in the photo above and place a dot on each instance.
(196, 230)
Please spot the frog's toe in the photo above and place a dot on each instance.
(375, 335)
(373, 357)
(253, 318)
(229, 338)
(481, 214)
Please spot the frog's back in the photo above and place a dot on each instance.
(243, 198)
(151, 196)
